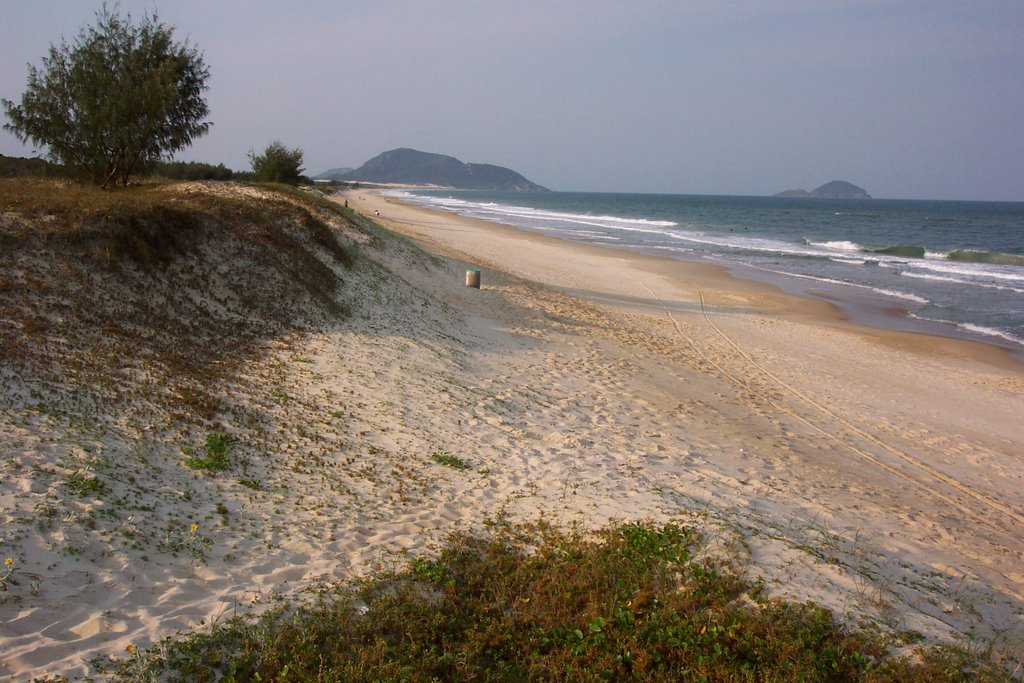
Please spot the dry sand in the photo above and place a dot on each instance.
(858, 467)
(877, 473)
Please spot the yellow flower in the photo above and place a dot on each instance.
(8, 561)
(130, 649)
(193, 528)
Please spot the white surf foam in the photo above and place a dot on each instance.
(976, 270)
(969, 280)
(540, 218)
(977, 329)
(840, 245)
(906, 296)
(992, 332)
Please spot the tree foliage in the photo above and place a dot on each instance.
(193, 170)
(277, 164)
(119, 98)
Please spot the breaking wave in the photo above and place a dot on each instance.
(969, 256)
(902, 250)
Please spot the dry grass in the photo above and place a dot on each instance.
(173, 283)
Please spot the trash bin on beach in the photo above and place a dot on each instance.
(473, 278)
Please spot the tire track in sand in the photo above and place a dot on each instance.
(987, 501)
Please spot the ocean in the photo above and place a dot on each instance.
(950, 268)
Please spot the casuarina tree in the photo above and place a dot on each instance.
(117, 99)
(277, 164)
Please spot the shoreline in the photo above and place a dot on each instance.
(784, 425)
(860, 304)
(871, 310)
(779, 293)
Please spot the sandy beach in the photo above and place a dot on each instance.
(880, 474)
(892, 462)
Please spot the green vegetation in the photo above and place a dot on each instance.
(215, 456)
(119, 98)
(192, 170)
(35, 167)
(168, 170)
(449, 460)
(277, 164)
(254, 484)
(83, 485)
(177, 540)
(5, 574)
(533, 603)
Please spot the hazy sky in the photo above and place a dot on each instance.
(917, 99)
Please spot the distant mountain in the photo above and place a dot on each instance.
(409, 166)
(837, 189)
(334, 173)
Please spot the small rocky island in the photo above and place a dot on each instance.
(837, 189)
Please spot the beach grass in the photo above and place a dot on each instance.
(449, 460)
(153, 239)
(634, 602)
(215, 454)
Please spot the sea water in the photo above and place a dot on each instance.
(943, 267)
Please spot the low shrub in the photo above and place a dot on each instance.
(215, 455)
(534, 603)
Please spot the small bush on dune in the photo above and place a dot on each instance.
(277, 164)
(215, 455)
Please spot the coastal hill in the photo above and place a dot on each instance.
(837, 189)
(334, 173)
(410, 166)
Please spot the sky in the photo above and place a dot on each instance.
(919, 99)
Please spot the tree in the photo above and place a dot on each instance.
(192, 170)
(277, 164)
(118, 99)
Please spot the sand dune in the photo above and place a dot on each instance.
(877, 473)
